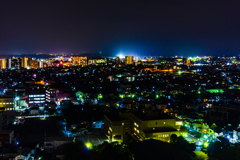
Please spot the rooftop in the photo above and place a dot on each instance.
(70, 139)
(6, 131)
(114, 116)
(151, 116)
(160, 129)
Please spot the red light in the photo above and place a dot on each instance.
(61, 62)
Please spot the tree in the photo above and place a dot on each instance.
(173, 138)
(184, 129)
(214, 148)
(109, 151)
(26, 111)
(75, 150)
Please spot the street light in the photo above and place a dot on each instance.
(89, 145)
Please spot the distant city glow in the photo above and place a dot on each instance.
(120, 56)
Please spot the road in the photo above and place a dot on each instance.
(98, 137)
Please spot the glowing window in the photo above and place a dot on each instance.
(179, 123)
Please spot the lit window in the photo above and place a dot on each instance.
(179, 123)
(164, 122)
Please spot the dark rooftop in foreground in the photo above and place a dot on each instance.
(155, 149)
(114, 116)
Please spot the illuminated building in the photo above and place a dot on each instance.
(3, 64)
(6, 102)
(40, 64)
(118, 60)
(128, 60)
(33, 64)
(51, 95)
(142, 125)
(15, 62)
(9, 63)
(188, 62)
(101, 61)
(76, 60)
(24, 62)
(138, 63)
(36, 94)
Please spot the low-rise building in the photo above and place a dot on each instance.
(51, 143)
(6, 136)
(140, 125)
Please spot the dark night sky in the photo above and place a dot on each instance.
(162, 27)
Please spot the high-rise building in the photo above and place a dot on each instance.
(15, 62)
(40, 64)
(9, 63)
(118, 60)
(3, 64)
(76, 60)
(24, 62)
(33, 64)
(188, 62)
(128, 60)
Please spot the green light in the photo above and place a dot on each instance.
(215, 90)
(205, 136)
(100, 96)
(157, 96)
(89, 145)
(199, 92)
(205, 144)
(179, 72)
(133, 95)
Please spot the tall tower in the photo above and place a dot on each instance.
(9, 63)
(188, 62)
(118, 61)
(24, 62)
(33, 64)
(40, 64)
(3, 64)
(128, 60)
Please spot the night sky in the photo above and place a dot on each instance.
(161, 27)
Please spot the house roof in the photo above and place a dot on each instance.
(24, 151)
(70, 139)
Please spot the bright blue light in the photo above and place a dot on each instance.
(17, 143)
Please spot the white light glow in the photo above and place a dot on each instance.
(120, 56)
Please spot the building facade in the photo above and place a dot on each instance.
(128, 60)
(141, 126)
